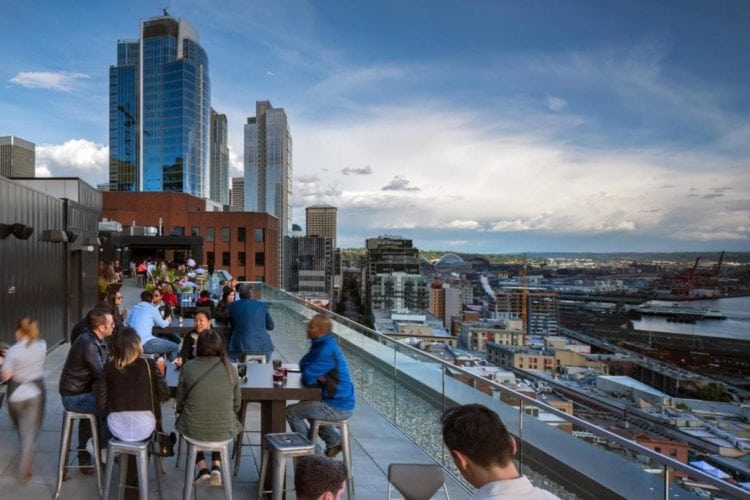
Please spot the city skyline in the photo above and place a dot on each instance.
(470, 127)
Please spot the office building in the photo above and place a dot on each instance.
(386, 255)
(237, 194)
(219, 159)
(320, 220)
(268, 168)
(308, 261)
(159, 110)
(17, 157)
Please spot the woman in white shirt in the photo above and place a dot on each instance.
(24, 370)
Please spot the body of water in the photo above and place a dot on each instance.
(737, 324)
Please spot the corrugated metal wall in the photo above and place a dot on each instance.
(32, 272)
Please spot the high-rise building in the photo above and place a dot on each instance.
(391, 255)
(159, 110)
(320, 220)
(268, 168)
(17, 157)
(309, 265)
(237, 200)
(219, 159)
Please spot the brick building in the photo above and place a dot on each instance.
(244, 243)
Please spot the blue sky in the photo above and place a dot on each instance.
(476, 126)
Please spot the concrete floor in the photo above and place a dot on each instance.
(375, 444)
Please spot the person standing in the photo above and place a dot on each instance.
(251, 322)
(144, 317)
(24, 370)
(84, 364)
(323, 366)
(483, 449)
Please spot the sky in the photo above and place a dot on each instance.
(466, 126)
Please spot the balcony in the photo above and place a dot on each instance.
(401, 394)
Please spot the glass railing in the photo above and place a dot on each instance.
(558, 451)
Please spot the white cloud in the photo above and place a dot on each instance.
(236, 167)
(76, 157)
(64, 81)
(366, 170)
(556, 103)
(463, 224)
(399, 183)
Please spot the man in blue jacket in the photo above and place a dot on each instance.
(323, 365)
(250, 322)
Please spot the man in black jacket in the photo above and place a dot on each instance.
(84, 364)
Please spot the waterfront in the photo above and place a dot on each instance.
(736, 326)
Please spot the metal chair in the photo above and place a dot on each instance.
(416, 481)
(277, 448)
(194, 446)
(343, 426)
(68, 418)
(240, 442)
(139, 449)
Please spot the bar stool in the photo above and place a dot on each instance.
(68, 418)
(139, 449)
(140, 281)
(279, 447)
(194, 446)
(245, 358)
(343, 426)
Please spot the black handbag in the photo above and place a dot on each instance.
(160, 443)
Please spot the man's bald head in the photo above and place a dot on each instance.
(319, 325)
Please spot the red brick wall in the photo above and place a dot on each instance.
(183, 210)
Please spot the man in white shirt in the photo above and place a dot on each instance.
(483, 449)
(143, 317)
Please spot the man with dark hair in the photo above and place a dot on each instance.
(143, 318)
(319, 478)
(250, 322)
(483, 449)
(84, 364)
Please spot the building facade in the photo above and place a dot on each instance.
(268, 168)
(237, 194)
(244, 243)
(320, 220)
(159, 110)
(219, 159)
(308, 261)
(386, 255)
(17, 157)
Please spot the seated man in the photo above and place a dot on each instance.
(250, 321)
(319, 478)
(165, 311)
(324, 366)
(84, 364)
(483, 449)
(143, 318)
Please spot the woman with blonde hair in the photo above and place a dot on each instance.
(24, 370)
(133, 414)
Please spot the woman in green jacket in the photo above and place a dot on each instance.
(208, 400)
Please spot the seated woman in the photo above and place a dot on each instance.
(204, 301)
(222, 309)
(202, 322)
(208, 400)
(133, 413)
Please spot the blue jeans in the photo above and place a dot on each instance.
(298, 414)
(86, 403)
(161, 346)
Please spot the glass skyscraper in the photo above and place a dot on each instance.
(219, 164)
(268, 168)
(159, 111)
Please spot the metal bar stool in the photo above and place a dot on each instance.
(68, 418)
(139, 449)
(343, 426)
(240, 442)
(194, 447)
(279, 447)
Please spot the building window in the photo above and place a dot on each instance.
(241, 258)
(241, 278)
(260, 235)
(195, 231)
(210, 258)
(241, 233)
(260, 279)
(177, 231)
(226, 234)
(260, 258)
(225, 259)
(211, 234)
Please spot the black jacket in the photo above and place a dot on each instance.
(84, 365)
(127, 390)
